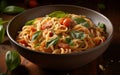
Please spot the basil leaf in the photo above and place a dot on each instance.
(85, 24)
(101, 6)
(78, 35)
(36, 35)
(2, 33)
(13, 10)
(58, 14)
(36, 45)
(79, 20)
(69, 41)
(52, 42)
(2, 22)
(102, 26)
(30, 22)
(3, 4)
(12, 60)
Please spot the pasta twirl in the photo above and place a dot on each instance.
(61, 34)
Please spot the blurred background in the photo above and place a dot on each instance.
(86, 3)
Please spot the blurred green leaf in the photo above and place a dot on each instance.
(101, 6)
(2, 33)
(2, 22)
(3, 4)
(13, 10)
(12, 60)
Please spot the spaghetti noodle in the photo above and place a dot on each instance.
(61, 34)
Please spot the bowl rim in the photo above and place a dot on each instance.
(74, 53)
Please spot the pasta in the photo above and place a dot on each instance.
(64, 34)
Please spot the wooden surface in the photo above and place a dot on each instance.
(106, 64)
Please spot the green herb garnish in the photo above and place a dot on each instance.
(30, 22)
(58, 14)
(81, 21)
(69, 41)
(52, 42)
(36, 35)
(78, 35)
(102, 26)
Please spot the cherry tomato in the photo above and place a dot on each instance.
(23, 42)
(61, 20)
(67, 22)
(33, 29)
(43, 27)
(33, 3)
(63, 45)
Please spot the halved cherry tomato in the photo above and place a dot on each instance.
(63, 45)
(23, 42)
(33, 29)
(61, 20)
(67, 22)
(43, 27)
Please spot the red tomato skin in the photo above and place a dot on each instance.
(23, 42)
(61, 20)
(67, 22)
(33, 29)
(33, 3)
(64, 45)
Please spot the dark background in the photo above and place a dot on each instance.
(86, 3)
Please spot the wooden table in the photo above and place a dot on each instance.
(106, 64)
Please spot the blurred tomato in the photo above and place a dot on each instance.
(33, 3)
